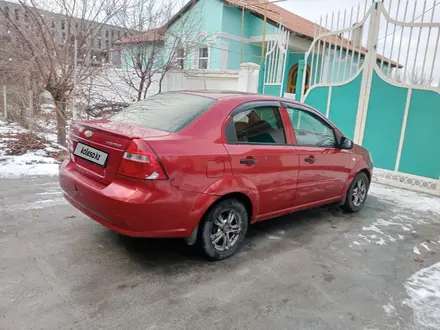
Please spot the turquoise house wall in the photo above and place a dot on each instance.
(207, 16)
(420, 154)
(253, 26)
(386, 108)
(257, 26)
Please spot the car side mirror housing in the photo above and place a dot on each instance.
(346, 143)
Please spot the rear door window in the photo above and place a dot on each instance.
(259, 125)
(169, 112)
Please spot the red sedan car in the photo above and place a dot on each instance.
(203, 165)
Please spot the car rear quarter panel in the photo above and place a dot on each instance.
(195, 158)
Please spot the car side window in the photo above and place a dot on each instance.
(310, 130)
(257, 125)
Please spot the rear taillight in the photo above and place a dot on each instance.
(71, 148)
(140, 162)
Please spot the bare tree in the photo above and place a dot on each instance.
(159, 41)
(413, 77)
(49, 60)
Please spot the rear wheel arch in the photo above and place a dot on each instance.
(239, 196)
(242, 197)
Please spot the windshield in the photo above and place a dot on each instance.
(169, 112)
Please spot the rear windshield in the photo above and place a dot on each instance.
(169, 112)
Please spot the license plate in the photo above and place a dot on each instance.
(91, 154)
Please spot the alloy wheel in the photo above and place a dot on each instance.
(226, 230)
(359, 192)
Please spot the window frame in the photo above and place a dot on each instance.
(197, 58)
(230, 136)
(318, 116)
(181, 59)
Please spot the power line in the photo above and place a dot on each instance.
(412, 21)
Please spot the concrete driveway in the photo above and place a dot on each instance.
(318, 269)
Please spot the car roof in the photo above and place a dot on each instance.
(228, 94)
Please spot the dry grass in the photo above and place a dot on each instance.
(19, 143)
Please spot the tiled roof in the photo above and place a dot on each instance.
(150, 35)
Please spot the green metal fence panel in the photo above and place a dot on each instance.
(343, 106)
(386, 108)
(317, 98)
(420, 152)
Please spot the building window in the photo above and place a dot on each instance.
(113, 33)
(63, 37)
(202, 61)
(99, 43)
(17, 14)
(53, 24)
(107, 44)
(180, 57)
(63, 25)
(106, 33)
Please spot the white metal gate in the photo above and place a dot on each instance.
(275, 61)
(368, 53)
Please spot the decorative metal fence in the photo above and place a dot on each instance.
(378, 78)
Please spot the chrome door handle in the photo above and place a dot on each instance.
(248, 161)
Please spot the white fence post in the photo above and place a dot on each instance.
(5, 102)
(246, 77)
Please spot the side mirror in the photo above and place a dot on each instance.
(346, 143)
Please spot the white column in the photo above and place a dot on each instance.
(367, 75)
(403, 129)
(246, 77)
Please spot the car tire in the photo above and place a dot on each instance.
(356, 194)
(223, 229)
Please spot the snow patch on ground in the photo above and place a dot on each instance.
(42, 204)
(32, 163)
(416, 250)
(28, 164)
(372, 228)
(406, 199)
(425, 246)
(386, 231)
(423, 289)
(389, 309)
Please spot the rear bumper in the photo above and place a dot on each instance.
(131, 207)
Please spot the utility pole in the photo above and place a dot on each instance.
(264, 29)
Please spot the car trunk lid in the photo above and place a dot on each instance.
(97, 146)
